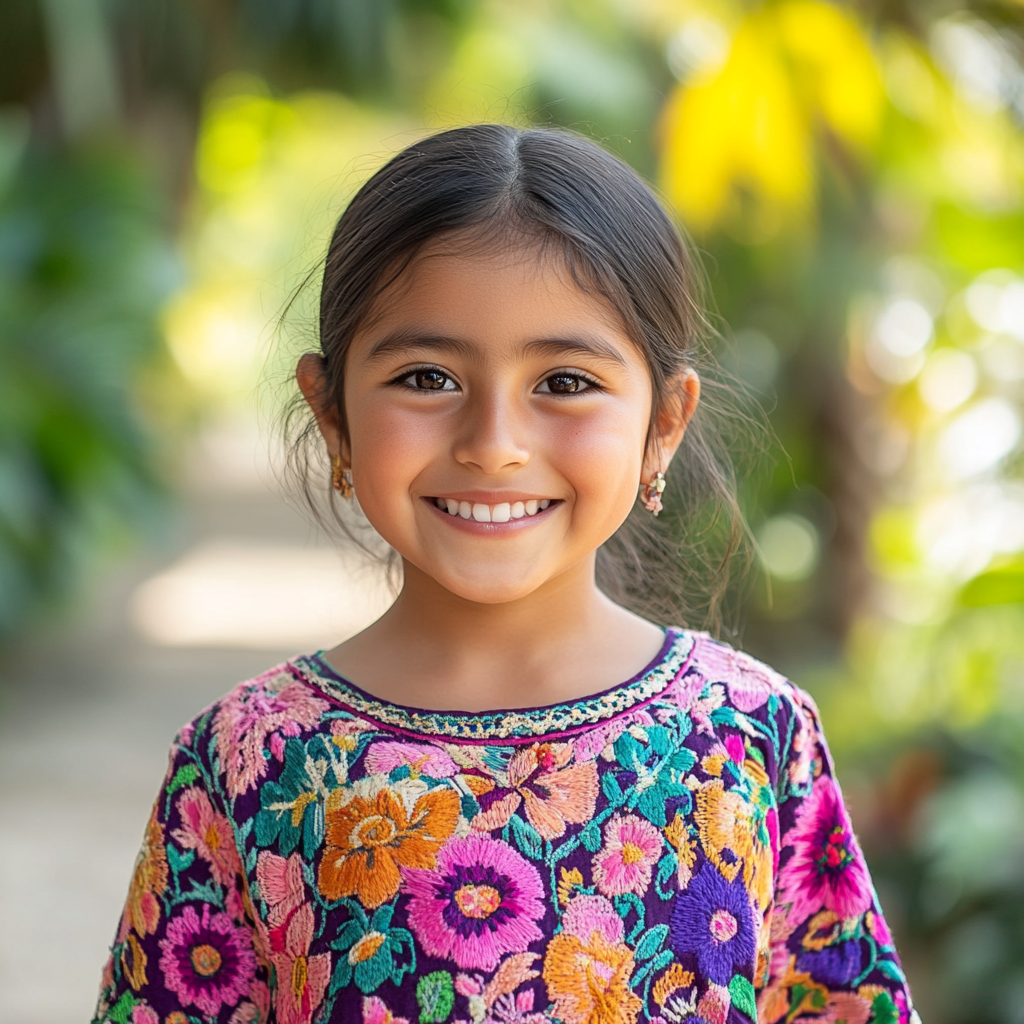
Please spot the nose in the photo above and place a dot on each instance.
(490, 434)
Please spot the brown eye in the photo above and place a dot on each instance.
(430, 380)
(563, 384)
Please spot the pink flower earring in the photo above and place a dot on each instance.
(650, 494)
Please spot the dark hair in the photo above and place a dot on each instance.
(496, 182)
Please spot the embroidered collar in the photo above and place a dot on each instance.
(512, 723)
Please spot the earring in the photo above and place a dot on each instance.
(340, 478)
(650, 494)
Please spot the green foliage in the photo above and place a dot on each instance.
(82, 270)
(948, 855)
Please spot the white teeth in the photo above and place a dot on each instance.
(500, 513)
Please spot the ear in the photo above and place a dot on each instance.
(313, 384)
(677, 408)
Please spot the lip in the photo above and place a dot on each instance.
(472, 526)
(491, 497)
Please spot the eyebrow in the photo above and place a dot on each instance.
(404, 339)
(580, 345)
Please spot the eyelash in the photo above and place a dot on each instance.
(591, 383)
(400, 380)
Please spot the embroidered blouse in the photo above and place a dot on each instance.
(672, 849)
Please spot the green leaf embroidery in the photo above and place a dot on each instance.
(651, 941)
(742, 992)
(179, 861)
(884, 1010)
(184, 776)
(612, 789)
(121, 1011)
(527, 838)
(436, 997)
(590, 837)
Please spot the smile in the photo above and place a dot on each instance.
(502, 512)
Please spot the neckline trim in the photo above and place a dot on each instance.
(509, 724)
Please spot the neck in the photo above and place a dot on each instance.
(566, 605)
(434, 649)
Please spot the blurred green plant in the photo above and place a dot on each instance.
(83, 269)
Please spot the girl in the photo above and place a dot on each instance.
(464, 814)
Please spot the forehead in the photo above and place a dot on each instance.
(493, 294)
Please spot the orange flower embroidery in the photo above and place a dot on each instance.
(589, 980)
(553, 793)
(133, 963)
(142, 910)
(370, 838)
(726, 822)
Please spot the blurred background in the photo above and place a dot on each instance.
(854, 175)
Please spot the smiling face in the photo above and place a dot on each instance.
(497, 417)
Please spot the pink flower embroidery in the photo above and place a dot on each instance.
(480, 901)
(420, 758)
(273, 702)
(553, 791)
(144, 1014)
(714, 1004)
(826, 869)
(879, 929)
(750, 683)
(255, 1012)
(632, 846)
(281, 884)
(301, 978)
(375, 1011)
(209, 834)
(207, 962)
(734, 746)
(588, 914)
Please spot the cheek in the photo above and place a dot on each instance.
(390, 446)
(602, 457)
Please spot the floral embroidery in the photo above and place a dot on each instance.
(250, 715)
(149, 879)
(553, 794)
(482, 900)
(826, 867)
(587, 974)
(712, 920)
(368, 838)
(632, 848)
(209, 834)
(672, 850)
(207, 961)
(301, 978)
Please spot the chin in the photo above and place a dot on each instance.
(488, 591)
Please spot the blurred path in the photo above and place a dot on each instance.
(87, 715)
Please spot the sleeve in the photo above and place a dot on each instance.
(832, 956)
(187, 947)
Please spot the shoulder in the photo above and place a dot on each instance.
(256, 714)
(747, 684)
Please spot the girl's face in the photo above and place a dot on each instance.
(497, 417)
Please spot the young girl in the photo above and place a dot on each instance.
(510, 799)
